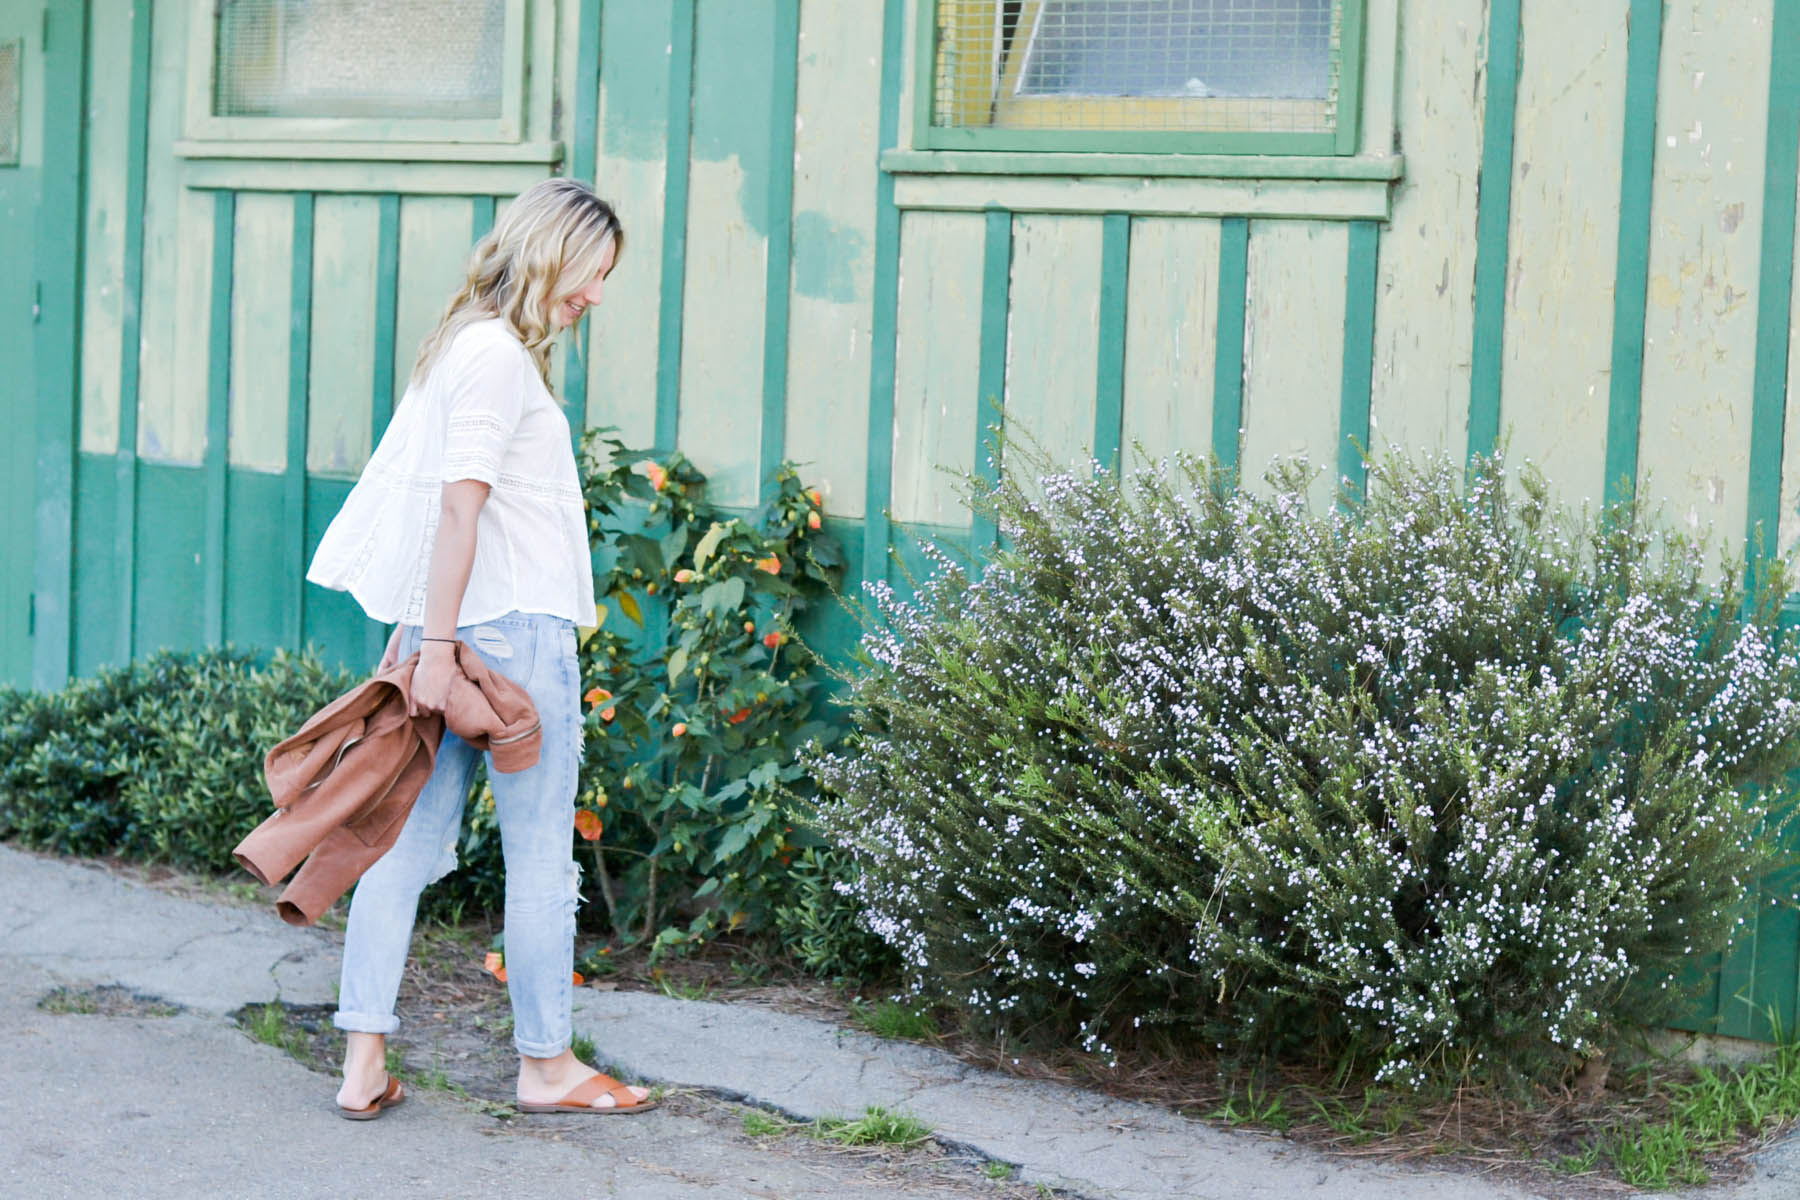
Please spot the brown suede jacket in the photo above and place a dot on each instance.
(344, 784)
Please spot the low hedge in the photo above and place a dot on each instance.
(159, 760)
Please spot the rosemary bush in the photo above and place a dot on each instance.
(1446, 782)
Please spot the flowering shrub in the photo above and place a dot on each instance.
(698, 700)
(1444, 780)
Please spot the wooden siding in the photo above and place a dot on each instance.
(1586, 255)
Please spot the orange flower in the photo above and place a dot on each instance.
(678, 729)
(659, 478)
(770, 564)
(740, 716)
(588, 824)
(774, 638)
(683, 575)
(813, 520)
(576, 978)
(597, 696)
(606, 714)
(495, 964)
(749, 626)
(813, 495)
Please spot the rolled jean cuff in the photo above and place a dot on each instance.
(355, 1022)
(540, 1049)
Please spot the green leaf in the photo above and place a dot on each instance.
(678, 662)
(673, 543)
(629, 606)
(724, 596)
(733, 843)
(708, 544)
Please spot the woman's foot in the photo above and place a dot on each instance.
(548, 1080)
(365, 1070)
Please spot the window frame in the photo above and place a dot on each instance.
(1342, 140)
(202, 124)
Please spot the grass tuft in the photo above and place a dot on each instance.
(877, 1126)
(894, 1019)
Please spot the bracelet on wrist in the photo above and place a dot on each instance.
(432, 639)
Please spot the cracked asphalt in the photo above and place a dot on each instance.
(131, 1105)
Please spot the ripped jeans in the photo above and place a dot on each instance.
(536, 810)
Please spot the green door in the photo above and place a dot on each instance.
(21, 181)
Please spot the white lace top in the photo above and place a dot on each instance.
(482, 413)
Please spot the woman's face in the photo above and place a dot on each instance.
(575, 303)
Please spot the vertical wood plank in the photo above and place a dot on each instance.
(107, 120)
(1563, 240)
(262, 261)
(1637, 165)
(1228, 358)
(1361, 262)
(938, 366)
(722, 323)
(1292, 400)
(877, 542)
(675, 223)
(131, 334)
(587, 118)
(218, 418)
(341, 370)
(1424, 309)
(433, 262)
(56, 343)
(481, 217)
(1171, 336)
(996, 306)
(1052, 358)
(778, 273)
(1109, 379)
(624, 333)
(1700, 320)
(1790, 454)
(1493, 222)
(1775, 275)
(387, 298)
(837, 117)
(294, 547)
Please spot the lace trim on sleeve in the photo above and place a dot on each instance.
(474, 445)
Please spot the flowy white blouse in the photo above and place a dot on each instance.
(481, 412)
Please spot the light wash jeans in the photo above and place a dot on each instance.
(536, 809)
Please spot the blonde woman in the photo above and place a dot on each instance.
(468, 525)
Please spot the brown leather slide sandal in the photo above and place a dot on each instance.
(390, 1096)
(582, 1099)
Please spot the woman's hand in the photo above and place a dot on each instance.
(431, 679)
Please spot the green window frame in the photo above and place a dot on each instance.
(974, 129)
(203, 123)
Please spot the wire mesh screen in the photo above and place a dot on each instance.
(1187, 65)
(360, 58)
(10, 116)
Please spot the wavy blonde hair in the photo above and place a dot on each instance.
(548, 244)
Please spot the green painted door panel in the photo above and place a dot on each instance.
(21, 23)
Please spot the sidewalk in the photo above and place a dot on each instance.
(189, 1106)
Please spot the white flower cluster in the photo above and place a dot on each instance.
(1430, 775)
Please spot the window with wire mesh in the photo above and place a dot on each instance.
(10, 115)
(351, 58)
(1217, 66)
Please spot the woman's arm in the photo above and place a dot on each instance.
(452, 556)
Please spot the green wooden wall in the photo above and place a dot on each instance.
(1570, 229)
